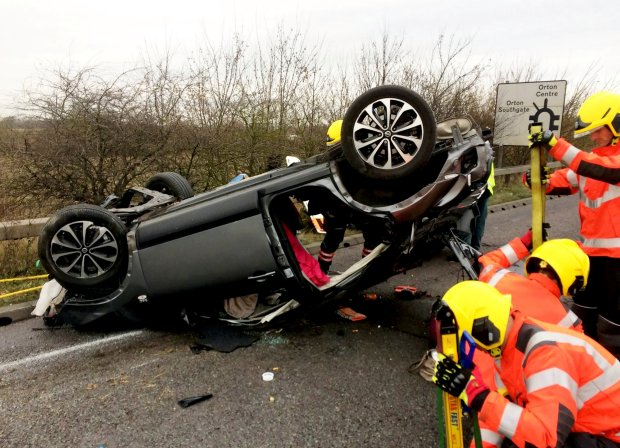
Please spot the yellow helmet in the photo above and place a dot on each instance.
(333, 133)
(568, 261)
(600, 109)
(482, 311)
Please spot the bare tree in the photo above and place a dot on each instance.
(95, 135)
(339, 94)
(214, 96)
(281, 73)
(381, 62)
(449, 82)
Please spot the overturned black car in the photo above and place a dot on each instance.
(161, 246)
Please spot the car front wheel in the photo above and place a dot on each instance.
(388, 133)
(84, 246)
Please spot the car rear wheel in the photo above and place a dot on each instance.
(84, 247)
(388, 132)
(170, 183)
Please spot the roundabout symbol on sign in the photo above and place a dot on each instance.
(545, 110)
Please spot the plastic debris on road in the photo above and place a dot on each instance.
(190, 401)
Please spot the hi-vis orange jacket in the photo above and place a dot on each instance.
(596, 176)
(558, 381)
(536, 296)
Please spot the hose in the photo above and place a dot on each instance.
(21, 291)
(14, 293)
(17, 279)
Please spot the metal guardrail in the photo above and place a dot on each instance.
(521, 169)
(28, 228)
(23, 228)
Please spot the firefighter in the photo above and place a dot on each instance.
(338, 216)
(562, 387)
(480, 221)
(556, 268)
(596, 176)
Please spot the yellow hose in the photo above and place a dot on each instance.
(17, 279)
(14, 293)
(21, 291)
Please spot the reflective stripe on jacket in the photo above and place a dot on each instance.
(536, 295)
(558, 381)
(596, 176)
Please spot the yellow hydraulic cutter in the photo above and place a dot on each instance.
(451, 432)
(449, 407)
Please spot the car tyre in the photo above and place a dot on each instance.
(388, 146)
(84, 247)
(171, 183)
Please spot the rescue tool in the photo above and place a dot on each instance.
(467, 347)
(450, 415)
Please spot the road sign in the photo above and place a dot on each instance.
(519, 104)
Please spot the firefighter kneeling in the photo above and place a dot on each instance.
(562, 387)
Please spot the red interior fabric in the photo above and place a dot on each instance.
(308, 264)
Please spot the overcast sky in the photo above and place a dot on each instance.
(38, 35)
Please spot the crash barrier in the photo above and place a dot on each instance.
(21, 291)
(16, 230)
(24, 228)
(507, 172)
(520, 169)
(28, 228)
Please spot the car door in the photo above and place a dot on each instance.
(215, 242)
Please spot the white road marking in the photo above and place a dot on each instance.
(67, 350)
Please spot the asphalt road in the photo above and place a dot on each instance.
(337, 383)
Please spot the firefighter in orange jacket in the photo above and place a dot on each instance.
(556, 268)
(563, 388)
(596, 176)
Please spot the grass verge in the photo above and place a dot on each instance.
(17, 260)
(17, 287)
(508, 193)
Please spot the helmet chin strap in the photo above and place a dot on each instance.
(495, 352)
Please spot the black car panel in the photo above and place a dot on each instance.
(231, 257)
(204, 214)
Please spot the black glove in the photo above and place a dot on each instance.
(545, 234)
(546, 139)
(460, 382)
(545, 174)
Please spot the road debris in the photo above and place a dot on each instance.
(190, 401)
(350, 314)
